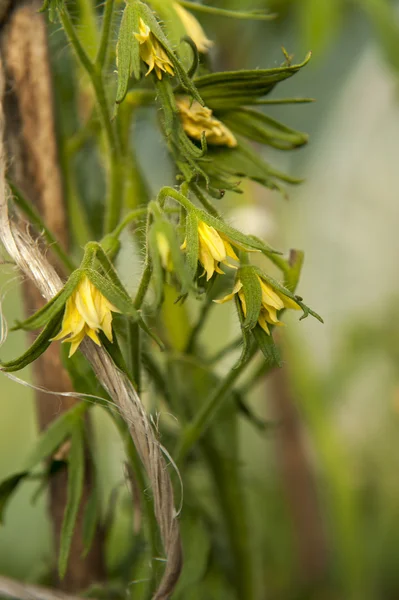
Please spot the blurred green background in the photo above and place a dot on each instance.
(341, 379)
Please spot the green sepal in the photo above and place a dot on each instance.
(233, 89)
(243, 162)
(284, 290)
(192, 241)
(7, 488)
(52, 308)
(247, 341)
(76, 467)
(173, 26)
(252, 15)
(252, 294)
(40, 345)
(267, 346)
(262, 129)
(185, 82)
(127, 48)
(115, 294)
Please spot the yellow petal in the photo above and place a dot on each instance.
(193, 29)
(269, 296)
(106, 325)
(243, 303)
(207, 261)
(289, 303)
(229, 248)
(75, 342)
(236, 289)
(262, 322)
(209, 237)
(85, 303)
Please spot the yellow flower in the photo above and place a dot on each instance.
(164, 251)
(197, 119)
(272, 301)
(214, 248)
(86, 312)
(151, 51)
(193, 29)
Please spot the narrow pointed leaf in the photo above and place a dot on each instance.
(91, 518)
(55, 434)
(74, 493)
(40, 345)
(7, 488)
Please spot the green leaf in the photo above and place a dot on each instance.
(252, 294)
(197, 545)
(40, 345)
(232, 89)
(74, 493)
(55, 434)
(267, 346)
(263, 129)
(252, 15)
(91, 519)
(7, 488)
(127, 50)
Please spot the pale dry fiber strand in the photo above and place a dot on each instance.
(28, 257)
(24, 591)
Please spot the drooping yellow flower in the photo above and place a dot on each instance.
(214, 248)
(272, 302)
(197, 119)
(152, 52)
(193, 29)
(87, 312)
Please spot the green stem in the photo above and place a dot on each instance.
(132, 216)
(143, 286)
(229, 488)
(203, 418)
(114, 203)
(204, 201)
(105, 32)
